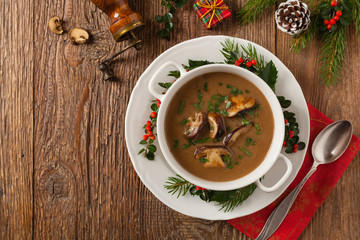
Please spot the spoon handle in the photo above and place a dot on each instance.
(279, 213)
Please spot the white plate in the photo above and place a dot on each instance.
(155, 173)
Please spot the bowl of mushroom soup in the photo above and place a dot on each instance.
(220, 127)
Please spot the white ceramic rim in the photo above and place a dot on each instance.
(277, 138)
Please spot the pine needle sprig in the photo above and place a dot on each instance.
(239, 196)
(300, 41)
(249, 51)
(230, 50)
(177, 184)
(253, 9)
(356, 16)
(332, 56)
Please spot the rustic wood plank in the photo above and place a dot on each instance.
(70, 128)
(339, 216)
(16, 118)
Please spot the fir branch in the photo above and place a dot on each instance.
(300, 41)
(356, 16)
(230, 51)
(253, 9)
(177, 184)
(332, 56)
(236, 198)
(250, 52)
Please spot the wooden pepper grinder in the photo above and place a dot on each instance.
(124, 24)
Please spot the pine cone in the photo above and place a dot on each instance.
(292, 17)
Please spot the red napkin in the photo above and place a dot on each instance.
(312, 195)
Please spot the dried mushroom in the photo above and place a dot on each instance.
(217, 125)
(194, 126)
(55, 25)
(78, 35)
(231, 137)
(239, 104)
(213, 155)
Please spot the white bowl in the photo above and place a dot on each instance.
(278, 134)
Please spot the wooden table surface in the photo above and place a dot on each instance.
(65, 172)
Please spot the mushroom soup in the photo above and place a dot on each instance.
(219, 126)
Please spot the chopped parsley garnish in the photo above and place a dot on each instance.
(247, 91)
(181, 107)
(202, 140)
(176, 143)
(246, 151)
(203, 160)
(248, 141)
(184, 122)
(205, 86)
(228, 104)
(220, 84)
(196, 106)
(256, 125)
(239, 157)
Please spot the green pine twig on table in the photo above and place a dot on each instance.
(253, 9)
(356, 16)
(300, 41)
(332, 56)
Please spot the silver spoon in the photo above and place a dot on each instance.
(328, 146)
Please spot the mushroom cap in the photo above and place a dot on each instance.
(217, 125)
(213, 154)
(231, 137)
(194, 126)
(78, 35)
(55, 25)
(239, 104)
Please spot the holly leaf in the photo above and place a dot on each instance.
(196, 63)
(166, 85)
(175, 74)
(269, 74)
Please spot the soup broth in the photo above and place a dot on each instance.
(218, 93)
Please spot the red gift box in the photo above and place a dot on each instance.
(211, 12)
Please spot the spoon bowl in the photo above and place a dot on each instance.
(332, 142)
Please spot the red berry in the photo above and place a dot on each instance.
(294, 150)
(338, 13)
(329, 26)
(158, 104)
(202, 188)
(286, 121)
(153, 115)
(291, 134)
(296, 146)
(148, 123)
(253, 62)
(248, 64)
(336, 18)
(332, 21)
(326, 22)
(333, 3)
(145, 137)
(148, 128)
(158, 99)
(237, 63)
(175, 80)
(150, 133)
(152, 137)
(284, 143)
(197, 188)
(241, 60)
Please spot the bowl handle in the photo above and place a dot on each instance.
(282, 179)
(154, 81)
